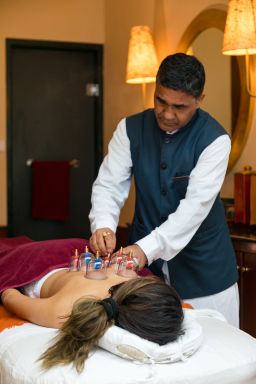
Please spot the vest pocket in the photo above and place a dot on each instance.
(180, 184)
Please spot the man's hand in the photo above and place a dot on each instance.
(137, 253)
(103, 240)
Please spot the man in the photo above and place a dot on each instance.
(178, 155)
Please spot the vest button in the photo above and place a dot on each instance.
(163, 192)
(163, 165)
(167, 140)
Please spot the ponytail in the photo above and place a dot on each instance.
(87, 323)
(145, 306)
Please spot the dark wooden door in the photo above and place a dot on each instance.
(54, 114)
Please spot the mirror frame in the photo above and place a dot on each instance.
(216, 18)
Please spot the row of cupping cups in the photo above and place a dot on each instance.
(95, 267)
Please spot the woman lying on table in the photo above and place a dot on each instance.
(84, 309)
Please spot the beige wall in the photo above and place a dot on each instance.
(122, 99)
(59, 20)
(108, 22)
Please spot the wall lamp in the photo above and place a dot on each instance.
(240, 33)
(142, 62)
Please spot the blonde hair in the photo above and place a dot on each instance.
(146, 306)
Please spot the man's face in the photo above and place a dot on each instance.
(174, 109)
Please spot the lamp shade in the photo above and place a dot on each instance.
(142, 63)
(240, 32)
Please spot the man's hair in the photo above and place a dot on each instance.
(146, 306)
(182, 72)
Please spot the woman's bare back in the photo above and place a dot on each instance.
(76, 283)
(58, 295)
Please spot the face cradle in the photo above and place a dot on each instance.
(174, 109)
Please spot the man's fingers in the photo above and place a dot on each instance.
(110, 242)
(103, 240)
(93, 243)
(138, 254)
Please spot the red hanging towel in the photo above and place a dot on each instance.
(50, 190)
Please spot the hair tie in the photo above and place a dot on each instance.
(111, 307)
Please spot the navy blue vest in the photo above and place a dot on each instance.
(162, 164)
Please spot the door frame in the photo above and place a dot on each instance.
(11, 44)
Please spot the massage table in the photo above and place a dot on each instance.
(211, 351)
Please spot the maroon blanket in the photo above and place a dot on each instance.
(23, 260)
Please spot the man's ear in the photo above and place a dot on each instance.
(200, 99)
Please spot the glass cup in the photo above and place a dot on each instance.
(107, 261)
(128, 267)
(74, 262)
(96, 270)
(84, 260)
(115, 260)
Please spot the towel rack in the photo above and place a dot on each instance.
(74, 163)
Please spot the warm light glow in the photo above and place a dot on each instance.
(142, 63)
(240, 32)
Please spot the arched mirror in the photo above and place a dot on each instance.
(225, 89)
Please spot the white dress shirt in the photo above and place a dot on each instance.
(111, 188)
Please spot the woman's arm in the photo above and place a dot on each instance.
(39, 311)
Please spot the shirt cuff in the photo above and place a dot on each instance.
(104, 224)
(150, 247)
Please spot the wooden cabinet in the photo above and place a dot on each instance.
(245, 248)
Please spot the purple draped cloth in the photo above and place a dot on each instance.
(23, 260)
